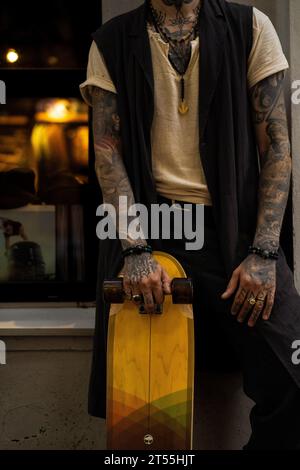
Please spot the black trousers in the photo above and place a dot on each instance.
(267, 379)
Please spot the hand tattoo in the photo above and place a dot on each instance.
(138, 266)
(255, 279)
(261, 271)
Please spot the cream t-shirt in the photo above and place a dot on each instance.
(176, 160)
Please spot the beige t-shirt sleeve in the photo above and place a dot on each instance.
(97, 75)
(266, 56)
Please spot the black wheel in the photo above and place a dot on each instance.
(182, 291)
(113, 292)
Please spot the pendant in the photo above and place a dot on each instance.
(183, 107)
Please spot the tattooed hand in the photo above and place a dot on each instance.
(254, 278)
(143, 275)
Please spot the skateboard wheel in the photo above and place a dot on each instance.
(182, 291)
(113, 291)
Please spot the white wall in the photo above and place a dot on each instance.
(295, 114)
(111, 8)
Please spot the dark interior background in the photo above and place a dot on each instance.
(48, 34)
(52, 40)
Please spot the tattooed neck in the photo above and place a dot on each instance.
(176, 22)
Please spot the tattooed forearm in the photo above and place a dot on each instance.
(274, 147)
(109, 165)
(114, 183)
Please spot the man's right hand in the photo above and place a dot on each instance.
(143, 275)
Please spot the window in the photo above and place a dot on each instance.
(48, 195)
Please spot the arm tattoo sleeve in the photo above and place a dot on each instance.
(270, 120)
(109, 165)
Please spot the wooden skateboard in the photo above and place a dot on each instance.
(150, 367)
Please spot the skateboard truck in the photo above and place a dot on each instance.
(181, 291)
(158, 309)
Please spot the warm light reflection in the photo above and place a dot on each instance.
(61, 111)
(58, 110)
(12, 56)
(61, 132)
(52, 60)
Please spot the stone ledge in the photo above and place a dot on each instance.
(36, 321)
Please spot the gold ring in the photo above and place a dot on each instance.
(137, 298)
(252, 301)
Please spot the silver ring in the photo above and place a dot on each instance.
(137, 298)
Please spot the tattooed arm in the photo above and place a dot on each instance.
(142, 274)
(256, 277)
(274, 148)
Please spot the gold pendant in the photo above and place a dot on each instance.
(183, 107)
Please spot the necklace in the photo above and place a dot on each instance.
(180, 50)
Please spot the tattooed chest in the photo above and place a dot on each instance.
(180, 56)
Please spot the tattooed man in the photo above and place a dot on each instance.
(162, 79)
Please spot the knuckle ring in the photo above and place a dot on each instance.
(252, 301)
(137, 298)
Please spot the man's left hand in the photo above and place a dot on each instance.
(254, 282)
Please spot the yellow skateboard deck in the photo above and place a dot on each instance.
(150, 373)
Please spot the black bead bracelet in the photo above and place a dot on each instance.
(265, 254)
(137, 250)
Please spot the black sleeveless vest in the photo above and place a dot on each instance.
(227, 143)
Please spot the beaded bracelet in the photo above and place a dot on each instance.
(265, 254)
(137, 250)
